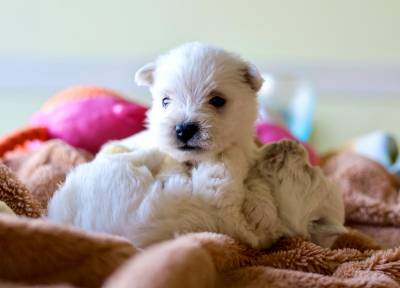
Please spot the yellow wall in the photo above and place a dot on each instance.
(366, 31)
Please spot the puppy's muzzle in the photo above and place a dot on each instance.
(186, 131)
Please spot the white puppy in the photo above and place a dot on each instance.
(188, 171)
(204, 106)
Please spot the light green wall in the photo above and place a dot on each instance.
(320, 31)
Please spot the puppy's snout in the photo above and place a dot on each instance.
(186, 131)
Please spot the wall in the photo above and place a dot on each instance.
(345, 31)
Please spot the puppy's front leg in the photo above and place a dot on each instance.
(260, 210)
(223, 182)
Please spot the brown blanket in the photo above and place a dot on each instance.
(371, 196)
(34, 252)
(44, 169)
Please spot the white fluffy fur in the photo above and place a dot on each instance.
(147, 189)
(149, 197)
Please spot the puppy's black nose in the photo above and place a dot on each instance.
(186, 131)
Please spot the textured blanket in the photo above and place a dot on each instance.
(35, 252)
(371, 196)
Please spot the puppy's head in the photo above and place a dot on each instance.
(204, 100)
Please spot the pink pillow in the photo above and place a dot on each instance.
(88, 123)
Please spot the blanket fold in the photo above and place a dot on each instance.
(37, 252)
(210, 260)
(16, 196)
(45, 168)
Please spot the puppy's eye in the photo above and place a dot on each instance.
(217, 101)
(166, 101)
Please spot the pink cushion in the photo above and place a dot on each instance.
(89, 123)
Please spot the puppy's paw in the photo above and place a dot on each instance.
(116, 149)
(151, 159)
(113, 147)
(211, 173)
(210, 179)
(177, 185)
(216, 170)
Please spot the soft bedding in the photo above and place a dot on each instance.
(35, 252)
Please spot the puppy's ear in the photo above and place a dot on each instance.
(145, 75)
(252, 77)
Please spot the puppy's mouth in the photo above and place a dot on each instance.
(187, 147)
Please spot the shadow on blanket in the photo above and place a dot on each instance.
(34, 252)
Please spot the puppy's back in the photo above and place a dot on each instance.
(308, 204)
